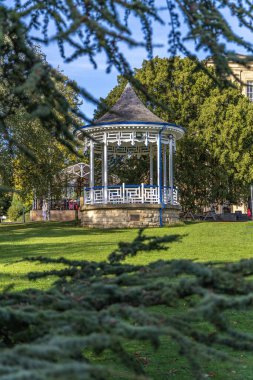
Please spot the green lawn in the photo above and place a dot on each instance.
(199, 241)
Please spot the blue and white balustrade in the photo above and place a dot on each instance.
(125, 194)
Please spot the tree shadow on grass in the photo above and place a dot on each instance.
(19, 232)
(9, 277)
(96, 250)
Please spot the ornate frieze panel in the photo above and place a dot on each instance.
(127, 142)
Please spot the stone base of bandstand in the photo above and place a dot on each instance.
(55, 215)
(128, 215)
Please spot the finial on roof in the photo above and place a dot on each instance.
(129, 108)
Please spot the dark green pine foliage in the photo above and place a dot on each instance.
(99, 306)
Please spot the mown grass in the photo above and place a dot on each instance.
(198, 241)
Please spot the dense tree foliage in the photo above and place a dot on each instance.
(214, 160)
(33, 156)
(5, 177)
(40, 175)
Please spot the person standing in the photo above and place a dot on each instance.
(44, 210)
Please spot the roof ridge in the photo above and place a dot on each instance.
(129, 107)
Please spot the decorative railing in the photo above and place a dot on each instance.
(120, 194)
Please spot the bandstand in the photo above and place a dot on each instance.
(62, 204)
(131, 129)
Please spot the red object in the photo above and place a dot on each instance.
(249, 213)
(76, 206)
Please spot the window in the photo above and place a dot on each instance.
(250, 90)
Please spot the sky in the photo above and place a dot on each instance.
(97, 81)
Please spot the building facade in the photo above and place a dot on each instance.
(244, 74)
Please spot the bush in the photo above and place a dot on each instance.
(16, 208)
(5, 202)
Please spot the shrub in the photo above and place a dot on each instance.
(16, 208)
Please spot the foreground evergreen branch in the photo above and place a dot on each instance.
(98, 306)
(29, 84)
(93, 27)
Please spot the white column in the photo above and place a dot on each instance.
(105, 169)
(102, 168)
(92, 171)
(165, 165)
(165, 199)
(123, 193)
(81, 171)
(142, 193)
(159, 146)
(151, 166)
(171, 180)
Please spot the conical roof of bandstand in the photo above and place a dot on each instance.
(129, 108)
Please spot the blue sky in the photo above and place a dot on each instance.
(98, 82)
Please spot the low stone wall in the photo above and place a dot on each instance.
(127, 215)
(226, 217)
(55, 215)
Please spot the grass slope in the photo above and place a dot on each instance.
(199, 241)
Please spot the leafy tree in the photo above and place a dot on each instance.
(214, 160)
(5, 177)
(16, 208)
(32, 156)
(227, 121)
(40, 175)
(5, 202)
